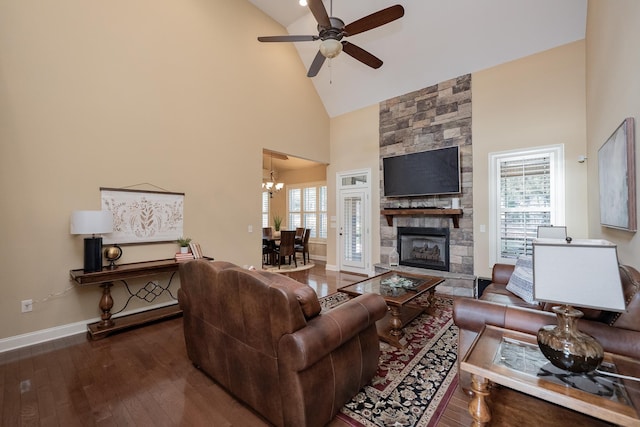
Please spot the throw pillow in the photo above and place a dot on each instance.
(521, 281)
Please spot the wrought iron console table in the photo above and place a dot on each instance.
(149, 293)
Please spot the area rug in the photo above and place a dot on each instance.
(286, 268)
(413, 385)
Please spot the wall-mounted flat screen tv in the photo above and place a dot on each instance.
(424, 173)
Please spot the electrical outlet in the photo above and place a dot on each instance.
(27, 305)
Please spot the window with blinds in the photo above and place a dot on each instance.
(308, 209)
(265, 209)
(527, 193)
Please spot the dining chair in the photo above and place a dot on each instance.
(299, 235)
(286, 247)
(304, 246)
(267, 251)
(267, 232)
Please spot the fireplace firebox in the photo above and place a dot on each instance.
(424, 247)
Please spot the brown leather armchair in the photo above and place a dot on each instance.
(263, 337)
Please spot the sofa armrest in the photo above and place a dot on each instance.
(501, 273)
(330, 330)
(472, 315)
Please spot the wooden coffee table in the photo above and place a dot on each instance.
(398, 290)
(512, 359)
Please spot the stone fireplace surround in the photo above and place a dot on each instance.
(433, 117)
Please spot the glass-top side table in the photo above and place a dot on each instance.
(512, 359)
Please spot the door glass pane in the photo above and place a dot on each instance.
(352, 233)
(354, 180)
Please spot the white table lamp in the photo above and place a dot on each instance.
(570, 272)
(92, 222)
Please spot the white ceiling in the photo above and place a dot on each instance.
(435, 40)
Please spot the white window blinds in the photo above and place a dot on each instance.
(527, 191)
(308, 209)
(265, 209)
(525, 203)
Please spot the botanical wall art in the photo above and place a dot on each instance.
(143, 216)
(617, 174)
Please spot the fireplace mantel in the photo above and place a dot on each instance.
(453, 213)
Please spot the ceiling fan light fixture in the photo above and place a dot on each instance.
(330, 48)
(302, 2)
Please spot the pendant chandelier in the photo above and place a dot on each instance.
(272, 186)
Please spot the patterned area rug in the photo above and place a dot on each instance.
(413, 385)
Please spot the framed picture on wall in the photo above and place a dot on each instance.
(617, 176)
(143, 216)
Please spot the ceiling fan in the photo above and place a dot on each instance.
(332, 30)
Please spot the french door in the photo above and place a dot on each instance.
(354, 238)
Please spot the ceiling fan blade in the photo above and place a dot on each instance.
(320, 13)
(288, 38)
(361, 55)
(316, 65)
(374, 20)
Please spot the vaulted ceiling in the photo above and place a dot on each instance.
(435, 40)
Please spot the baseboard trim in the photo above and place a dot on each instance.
(57, 332)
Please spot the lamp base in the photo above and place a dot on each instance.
(566, 347)
(92, 254)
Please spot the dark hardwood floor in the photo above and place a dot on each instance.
(142, 377)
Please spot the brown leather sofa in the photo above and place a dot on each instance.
(617, 332)
(263, 337)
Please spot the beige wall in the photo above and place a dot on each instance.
(176, 94)
(354, 146)
(613, 88)
(534, 101)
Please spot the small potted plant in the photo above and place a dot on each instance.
(277, 222)
(184, 244)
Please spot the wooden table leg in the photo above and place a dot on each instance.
(396, 322)
(431, 301)
(106, 304)
(478, 407)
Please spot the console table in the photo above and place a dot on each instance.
(123, 272)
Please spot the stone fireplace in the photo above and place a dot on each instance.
(434, 117)
(424, 247)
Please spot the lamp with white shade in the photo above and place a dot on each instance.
(581, 273)
(552, 232)
(92, 222)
